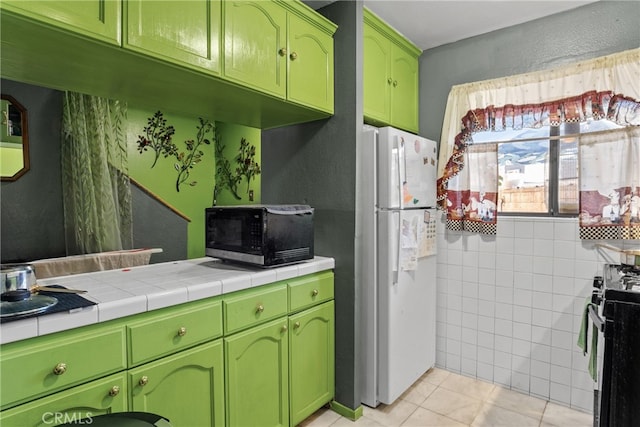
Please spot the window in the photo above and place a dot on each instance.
(538, 168)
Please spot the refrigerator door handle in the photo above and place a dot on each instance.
(396, 270)
(396, 146)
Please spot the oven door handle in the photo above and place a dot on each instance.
(595, 318)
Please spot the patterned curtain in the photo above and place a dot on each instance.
(530, 100)
(95, 178)
(472, 195)
(610, 185)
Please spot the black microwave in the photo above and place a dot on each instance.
(264, 235)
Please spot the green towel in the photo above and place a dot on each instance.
(582, 340)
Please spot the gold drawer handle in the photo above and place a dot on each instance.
(144, 380)
(60, 368)
(293, 56)
(182, 331)
(282, 51)
(296, 325)
(260, 308)
(115, 390)
(314, 293)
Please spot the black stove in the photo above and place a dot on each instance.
(617, 295)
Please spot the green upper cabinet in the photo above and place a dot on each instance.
(183, 32)
(390, 76)
(310, 65)
(377, 72)
(98, 19)
(255, 45)
(282, 48)
(404, 90)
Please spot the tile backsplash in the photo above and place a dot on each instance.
(509, 306)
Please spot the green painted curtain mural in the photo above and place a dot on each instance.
(95, 181)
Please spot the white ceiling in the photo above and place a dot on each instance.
(431, 23)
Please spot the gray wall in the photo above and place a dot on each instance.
(156, 226)
(314, 163)
(32, 224)
(587, 32)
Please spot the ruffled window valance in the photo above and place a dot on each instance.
(530, 100)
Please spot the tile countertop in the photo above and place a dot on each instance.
(124, 292)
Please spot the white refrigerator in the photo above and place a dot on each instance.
(395, 262)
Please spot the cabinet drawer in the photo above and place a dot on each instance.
(43, 365)
(310, 290)
(249, 308)
(169, 330)
(103, 396)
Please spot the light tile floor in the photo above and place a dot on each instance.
(441, 398)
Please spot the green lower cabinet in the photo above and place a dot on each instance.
(311, 360)
(187, 388)
(103, 396)
(257, 380)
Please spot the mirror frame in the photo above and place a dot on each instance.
(25, 139)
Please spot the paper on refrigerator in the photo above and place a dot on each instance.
(409, 244)
(427, 236)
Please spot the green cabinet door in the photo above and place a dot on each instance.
(187, 388)
(390, 76)
(100, 19)
(377, 76)
(103, 396)
(183, 32)
(257, 387)
(310, 65)
(404, 90)
(311, 360)
(255, 45)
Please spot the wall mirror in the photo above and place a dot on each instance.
(14, 142)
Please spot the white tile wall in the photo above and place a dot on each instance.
(509, 306)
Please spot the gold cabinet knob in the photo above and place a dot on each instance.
(395, 83)
(284, 328)
(314, 293)
(259, 308)
(296, 325)
(293, 56)
(144, 380)
(115, 390)
(389, 80)
(182, 331)
(60, 368)
(282, 51)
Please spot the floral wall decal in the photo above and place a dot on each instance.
(246, 164)
(159, 137)
(245, 167)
